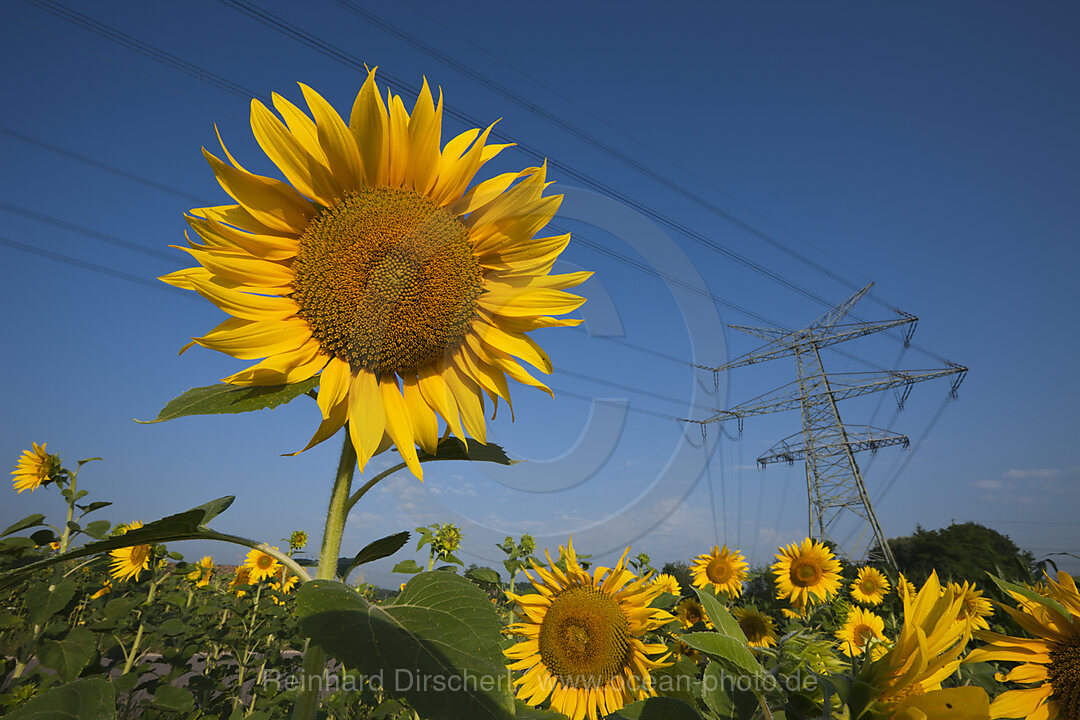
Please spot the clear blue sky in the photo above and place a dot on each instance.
(929, 148)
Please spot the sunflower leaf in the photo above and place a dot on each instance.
(1030, 595)
(451, 448)
(223, 399)
(87, 699)
(27, 522)
(658, 707)
(188, 525)
(437, 645)
(727, 626)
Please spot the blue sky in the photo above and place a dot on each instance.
(930, 149)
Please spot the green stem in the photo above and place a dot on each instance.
(307, 701)
(372, 482)
(130, 660)
(65, 537)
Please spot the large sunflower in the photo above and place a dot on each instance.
(722, 569)
(907, 678)
(583, 635)
(862, 627)
(377, 265)
(759, 628)
(129, 562)
(34, 468)
(869, 586)
(806, 570)
(1051, 659)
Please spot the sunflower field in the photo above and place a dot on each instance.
(384, 281)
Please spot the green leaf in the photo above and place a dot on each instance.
(173, 698)
(1030, 595)
(172, 626)
(69, 656)
(223, 398)
(407, 566)
(120, 607)
(658, 708)
(97, 529)
(383, 547)
(88, 460)
(451, 448)
(739, 656)
(725, 696)
(678, 680)
(42, 603)
(88, 699)
(28, 521)
(188, 525)
(524, 711)
(730, 652)
(437, 645)
(97, 505)
(43, 537)
(483, 574)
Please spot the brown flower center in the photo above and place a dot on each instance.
(1064, 674)
(805, 574)
(387, 280)
(585, 638)
(718, 570)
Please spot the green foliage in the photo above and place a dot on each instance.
(437, 645)
(965, 551)
(227, 399)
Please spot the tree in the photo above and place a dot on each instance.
(961, 552)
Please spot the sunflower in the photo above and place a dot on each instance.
(975, 608)
(907, 678)
(34, 468)
(200, 572)
(759, 628)
(241, 578)
(128, 562)
(668, 584)
(905, 589)
(806, 570)
(1051, 659)
(260, 566)
(690, 612)
(869, 587)
(106, 588)
(283, 586)
(862, 627)
(723, 569)
(583, 633)
(378, 266)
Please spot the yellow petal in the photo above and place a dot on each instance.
(282, 369)
(526, 302)
(241, 268)
(369, 125)
(267, 247)
(245, 305)
(469, 402)
(515, 344)
(398, 425)
(300, 168)
(435, 391)
(424, 422)
(399, 141)
(333, 385)
(455, 176)
(367, 420)
(425, 129)
(248, 339)
(342, 154)
(271, 202)
(301, 127)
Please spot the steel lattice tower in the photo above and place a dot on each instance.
(834, 483)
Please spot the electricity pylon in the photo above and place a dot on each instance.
(833, 481)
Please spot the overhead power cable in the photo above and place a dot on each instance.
(344, 57)
(290, 30)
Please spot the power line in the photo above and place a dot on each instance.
(344, 57)
(577, 132)
(83, 230)
(93, 267)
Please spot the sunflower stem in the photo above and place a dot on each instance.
(372, 482)
(65, 537)
(307, 701)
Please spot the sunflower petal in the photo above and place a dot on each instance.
(369, 124)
